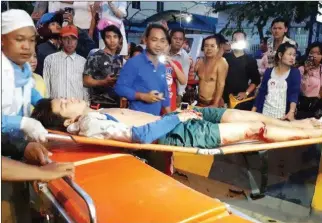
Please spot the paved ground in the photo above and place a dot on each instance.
(291, 178)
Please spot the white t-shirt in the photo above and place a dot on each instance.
(275, 100)
(54, 6)
(83, 15)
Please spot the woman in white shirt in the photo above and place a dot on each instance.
(114, 11)
(83, 14)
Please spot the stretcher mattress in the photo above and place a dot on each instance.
(124, 189)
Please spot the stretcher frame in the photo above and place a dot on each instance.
(252, 145)
(42, 187)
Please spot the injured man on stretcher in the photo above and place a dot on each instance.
(200, 127)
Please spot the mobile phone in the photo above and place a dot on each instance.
(184, 105)
(309, 61)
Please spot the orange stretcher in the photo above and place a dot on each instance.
(246, 146)
(117, 187)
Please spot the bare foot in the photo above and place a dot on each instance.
(308, 123)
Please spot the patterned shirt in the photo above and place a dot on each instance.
(311, 82)
(275, 101)
(99, 66)
(268, 57)
(63, 76)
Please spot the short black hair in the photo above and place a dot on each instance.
(239, 31)
(264, 39)
(156, 26)
(313, 45)
(282, 49)
(111, 28)
(280, 20)
(177, 30)
(43, 112)
(136, 49)
(220, 39)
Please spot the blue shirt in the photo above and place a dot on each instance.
(140, 75)
(293, 88)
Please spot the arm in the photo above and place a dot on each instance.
(93, 21)
(263, 64)
(18, 171)
(293, 93)
(46, 75)
(89, 81)
(125, 81)
(254, 76)
(220, 85)
(35, 96)
(10, 124)
(259, 101)
(179, 72)
(119, 12)
(155, 130)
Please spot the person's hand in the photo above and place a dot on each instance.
(254, 109)
(241, 96)
(54, 170)
(289, 116)
(152, 97)
(109, 80)
(33, 129)
(68, 17)
(188, 115)
(91, 34)
(35, 153)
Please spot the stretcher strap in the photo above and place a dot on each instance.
(249, 146)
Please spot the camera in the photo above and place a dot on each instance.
(184, 106)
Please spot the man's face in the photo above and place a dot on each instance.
(211, 47)
(69, 44)
(238, 37)
(68, 108)
(54, 27)
(279, 30)
(19, 45)
(112, 41)
(156, 42)
(177, 40)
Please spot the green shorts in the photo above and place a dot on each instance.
(197, 133)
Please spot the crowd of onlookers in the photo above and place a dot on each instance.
(83, 56)
(81, 51)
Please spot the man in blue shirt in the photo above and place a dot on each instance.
(142, 80)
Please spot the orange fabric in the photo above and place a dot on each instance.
(123, 188)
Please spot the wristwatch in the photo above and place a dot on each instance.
(247, 93)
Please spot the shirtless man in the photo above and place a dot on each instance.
(212, 71)
(202, 128)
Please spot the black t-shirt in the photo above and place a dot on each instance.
(242, 71)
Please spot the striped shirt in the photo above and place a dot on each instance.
(63, 75)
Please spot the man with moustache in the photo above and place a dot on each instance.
(143, 78)
(212, 71)
(143, 82)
